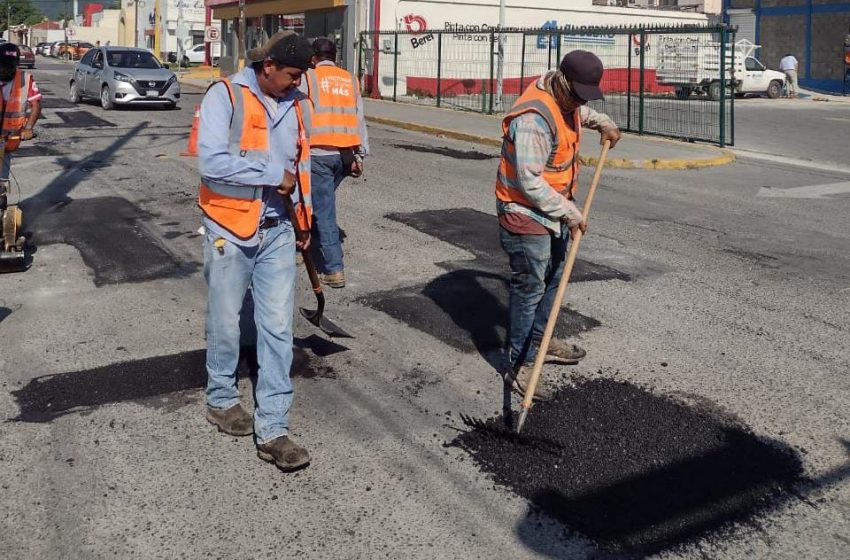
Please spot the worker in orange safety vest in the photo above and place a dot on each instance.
(535, 187)
(21, 102)
(253, 152)
(338, 143)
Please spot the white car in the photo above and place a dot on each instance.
(195, 55)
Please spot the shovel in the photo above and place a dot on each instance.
(559, 296)
(316, 317)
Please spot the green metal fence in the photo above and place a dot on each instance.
(665, 81)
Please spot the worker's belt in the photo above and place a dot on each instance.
(269, 223)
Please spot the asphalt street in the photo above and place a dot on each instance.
(714, 305)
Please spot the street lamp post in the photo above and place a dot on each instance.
(500, 69)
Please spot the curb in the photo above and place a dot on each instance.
(725, 156)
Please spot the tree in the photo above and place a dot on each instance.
(22, 11)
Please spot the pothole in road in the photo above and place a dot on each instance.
(46, 398)
(636, 472)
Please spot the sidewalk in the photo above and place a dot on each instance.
(632, 152)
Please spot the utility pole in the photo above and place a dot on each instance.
(8, 20)
(500, 69)
(67, 10)
(240, 64)
(136, 26)
(156, 37)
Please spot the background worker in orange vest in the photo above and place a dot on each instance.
(253, 152)
(537, 177)
(338, 143)
(21, 109)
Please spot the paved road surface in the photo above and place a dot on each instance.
(692, 287)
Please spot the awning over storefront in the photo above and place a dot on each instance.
(266, 7)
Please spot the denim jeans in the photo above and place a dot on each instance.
(7, 166)
(537, 263)
(327, 174)
(269, 269)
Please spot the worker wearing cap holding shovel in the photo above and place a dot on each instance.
(253, 155)
(537, 178)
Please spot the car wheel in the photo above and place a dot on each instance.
(714, 91)
(774, 90)
(74, 93)
(185, 61)
(106, 98)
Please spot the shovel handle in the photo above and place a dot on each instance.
(559, 296)
(305, 253)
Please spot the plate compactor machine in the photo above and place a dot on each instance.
(13, 253)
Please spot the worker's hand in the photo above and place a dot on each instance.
(287, 185)
(302, 240)
(612, 134)
(27, 134)
(582, 227)
(357, 169)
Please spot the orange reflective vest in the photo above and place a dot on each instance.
(238, 208)
(333, 93)
(562, 168)
(15, 111)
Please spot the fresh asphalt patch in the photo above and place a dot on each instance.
(4, 312)
(467, 307)
(478, 233)
(46, 398)
(635, 472)
(50, 102)
(110, 234)
(77, 119)
(447, 152)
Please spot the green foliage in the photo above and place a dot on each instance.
(22, 11)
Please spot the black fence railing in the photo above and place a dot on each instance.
(666, 81)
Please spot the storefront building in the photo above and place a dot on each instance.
(263, 18)
(812, 30)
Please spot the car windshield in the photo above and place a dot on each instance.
(132, 59)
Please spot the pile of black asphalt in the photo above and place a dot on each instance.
(635, 472)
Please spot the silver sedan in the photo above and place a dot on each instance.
(123, 76)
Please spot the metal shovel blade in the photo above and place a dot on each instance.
(326, 325)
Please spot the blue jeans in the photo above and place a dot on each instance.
(537, 263)
(327, 173)
(270, 271)
(7, 163)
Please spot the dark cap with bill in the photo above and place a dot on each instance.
(287, 48)
(584, 70)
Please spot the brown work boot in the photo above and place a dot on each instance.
(333, 279)
(285, 453)
(234, 421)
(543, 391)
(561, 352)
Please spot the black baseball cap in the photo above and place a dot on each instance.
(9, 54)
(584, 70)
(287, 48)
(324, 47)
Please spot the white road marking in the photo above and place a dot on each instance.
(807, 191)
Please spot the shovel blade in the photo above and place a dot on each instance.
(325, 325)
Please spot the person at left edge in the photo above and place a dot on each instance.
(253, 152)
(21, 109)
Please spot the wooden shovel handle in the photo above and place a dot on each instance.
(305, 253)
(562, 286)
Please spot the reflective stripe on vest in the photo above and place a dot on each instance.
(333, 93)
(15, 109)
(238, 208)
(562, 168)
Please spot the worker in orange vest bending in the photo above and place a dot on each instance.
(338, 143)
(538, 175)
(21, 109)
(253, 153)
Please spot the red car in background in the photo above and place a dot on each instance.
(27, 58)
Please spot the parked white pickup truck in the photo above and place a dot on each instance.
(693, 66)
